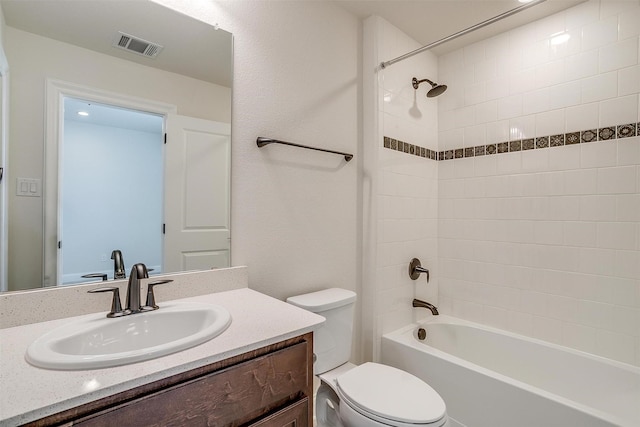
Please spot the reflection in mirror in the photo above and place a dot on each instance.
(64, 50)
(98, 140)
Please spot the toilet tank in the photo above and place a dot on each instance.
(332, 341)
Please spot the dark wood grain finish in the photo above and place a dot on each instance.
(231, 392)
(294, 415)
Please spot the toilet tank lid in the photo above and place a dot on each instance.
(323, 300)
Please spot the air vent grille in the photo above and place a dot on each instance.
(137, 45)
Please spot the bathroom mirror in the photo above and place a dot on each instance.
(131, 54)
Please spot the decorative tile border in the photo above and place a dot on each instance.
(405, 147)
(540, 142)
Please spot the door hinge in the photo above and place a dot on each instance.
(59, 244)
(164, 228)
(165, 138)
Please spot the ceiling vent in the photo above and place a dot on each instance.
(137, 45)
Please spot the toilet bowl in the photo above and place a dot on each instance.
(368, 395)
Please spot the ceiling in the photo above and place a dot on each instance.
(190, 47)
(427, 21)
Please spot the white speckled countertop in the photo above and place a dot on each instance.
(30, 393)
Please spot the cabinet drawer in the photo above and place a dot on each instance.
(294, 415)
(229, 397)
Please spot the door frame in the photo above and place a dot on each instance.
(4, 188)
(55, 92)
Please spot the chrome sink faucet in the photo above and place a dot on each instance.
(138, 271)
(118, 265)
(427, 305)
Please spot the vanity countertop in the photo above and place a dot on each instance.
(30, 393)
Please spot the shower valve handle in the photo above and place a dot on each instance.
(415, 269)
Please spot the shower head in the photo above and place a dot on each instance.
(435, 90)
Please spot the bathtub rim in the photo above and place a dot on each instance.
(407, 335)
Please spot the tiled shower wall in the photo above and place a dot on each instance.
(403, 211)
(545, 241)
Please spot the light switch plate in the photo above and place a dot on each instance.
(28, 187)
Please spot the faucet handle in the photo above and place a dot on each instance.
(151, 299)
(415, 268)
(116, 306)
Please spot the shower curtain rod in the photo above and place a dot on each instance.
(482, 24)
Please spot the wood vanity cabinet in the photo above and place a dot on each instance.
(268, 387)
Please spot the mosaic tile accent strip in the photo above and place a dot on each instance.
(405, 147)
(556, 140)
(607, 133)
(542, 142)
(625, 131)
(589, 135)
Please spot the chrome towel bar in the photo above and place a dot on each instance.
(261, 142)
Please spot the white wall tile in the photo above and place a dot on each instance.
(550, 123)
(627, 207)
(600, 33)
(538, 101)
(557, 230)
(522, 127)
(598, 154)
(615, 7)
(510, 107)
(464, 116)
(582, 14)
(600, 87)
(497, 131)
(619, 55)
(485, 70)
(475, 135)
(619, 110)
(580, 233)
(566, 95)
(486, 112)
(616, 346)
(617, 180)
(581, 181)
(582, 117)
(598, 208)
(629, 80)
(565, 158)
(547, 329)
(616, 235)
(581, 65)
(475, 94)
(578, 336)
(551, 73)
(628, 23)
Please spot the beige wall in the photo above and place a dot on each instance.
(295, 219)
(33, 59)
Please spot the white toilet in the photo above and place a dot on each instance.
(367, 395)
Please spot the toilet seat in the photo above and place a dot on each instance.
(391, 396)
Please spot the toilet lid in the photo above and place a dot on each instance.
(391, 393)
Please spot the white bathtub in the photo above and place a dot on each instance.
(493, 378)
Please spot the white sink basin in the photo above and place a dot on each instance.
(101, 342)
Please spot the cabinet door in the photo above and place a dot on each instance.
(294, 415)
(230, 397)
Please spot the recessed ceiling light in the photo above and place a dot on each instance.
(83, 113)
(525, 1)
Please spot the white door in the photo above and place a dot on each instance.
(197, 197)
